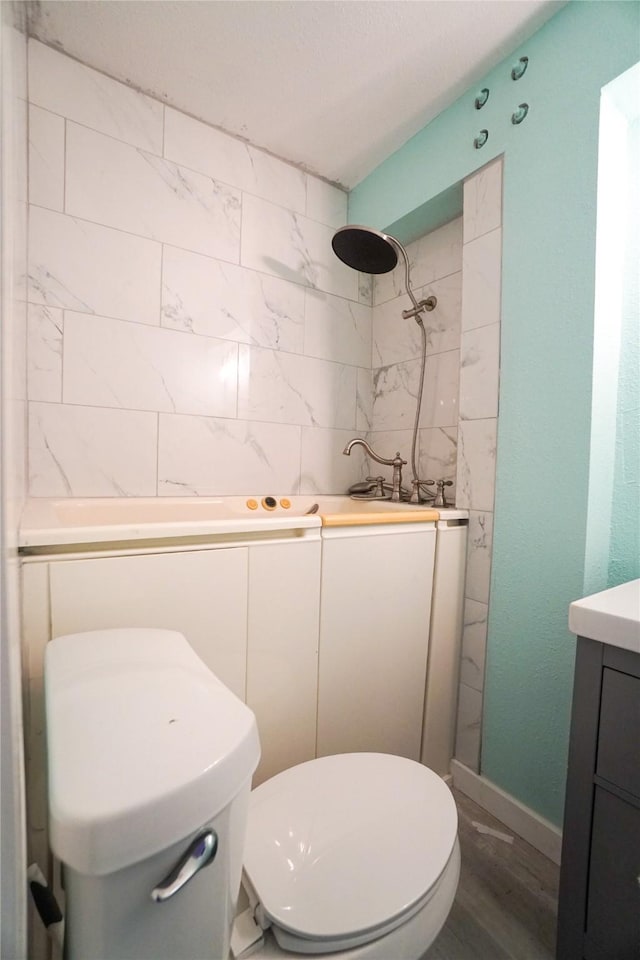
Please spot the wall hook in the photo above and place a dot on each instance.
(518, 115)
(481, 139)
(482, 98)
(519, 69)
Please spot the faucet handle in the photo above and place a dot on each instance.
(378, 482)
(441, 500)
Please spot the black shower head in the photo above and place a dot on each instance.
(365, 249)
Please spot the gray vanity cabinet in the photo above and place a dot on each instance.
(599, 908)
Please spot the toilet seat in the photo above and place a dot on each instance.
(341, 850)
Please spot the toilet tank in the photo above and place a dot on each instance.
(147, 753)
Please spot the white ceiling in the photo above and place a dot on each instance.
(332, 85)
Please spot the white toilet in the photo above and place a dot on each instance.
(150, 761)
(354, 855)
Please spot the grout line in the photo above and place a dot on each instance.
(195, 416)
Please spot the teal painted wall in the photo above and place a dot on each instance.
(550, 164)
(624, 561)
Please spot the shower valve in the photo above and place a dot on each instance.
(429, 304)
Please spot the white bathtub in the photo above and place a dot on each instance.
(59, 522)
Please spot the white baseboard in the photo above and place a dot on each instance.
(540, 833)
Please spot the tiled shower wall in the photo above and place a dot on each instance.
(190, 330)
(436, 269)
(477, 432)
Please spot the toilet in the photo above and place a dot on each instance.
(353, 856)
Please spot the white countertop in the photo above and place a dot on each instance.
(612, 616)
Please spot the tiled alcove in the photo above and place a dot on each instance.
(477, 432)
(461, 264)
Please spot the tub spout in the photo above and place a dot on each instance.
(396, 462)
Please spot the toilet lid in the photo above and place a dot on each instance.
(343, 845)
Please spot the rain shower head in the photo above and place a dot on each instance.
(365, 249)
(371, 251)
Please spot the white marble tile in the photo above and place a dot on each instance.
(196, 145)
(432, 257)
(91, 452)
(442, 325)
(206, 456)
(436, 255)
(20, 153)
(112, 363)
(440, 392)
(218, 299)
(479, 548)
(46, 159)
(364, 399)
(13, 353)
(17, 44)
(112, 183)
(438, 449)
(483, 201)
(395, 394)
(68, 88)
(286, 245)
(284, 388)
(482, 281)
(44, 352)
(394, 339)
(337, 329)
(86, 267)
(479, 372)
(476, 467)
(474, 644)
(326, 203)
(469, 727)
(365, 288)
(388, 286)
(324, 468)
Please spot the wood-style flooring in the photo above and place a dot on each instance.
(506, 904)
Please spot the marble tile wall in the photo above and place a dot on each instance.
(190, 331)
(436, 269)
(477, 431)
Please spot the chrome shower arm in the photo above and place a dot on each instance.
(407, 270)
(418, 307)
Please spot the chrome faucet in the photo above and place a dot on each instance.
(396, 462)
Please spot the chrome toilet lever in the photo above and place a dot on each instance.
(198, 854)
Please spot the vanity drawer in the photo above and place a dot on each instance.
(613, 911)
(619, 742)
